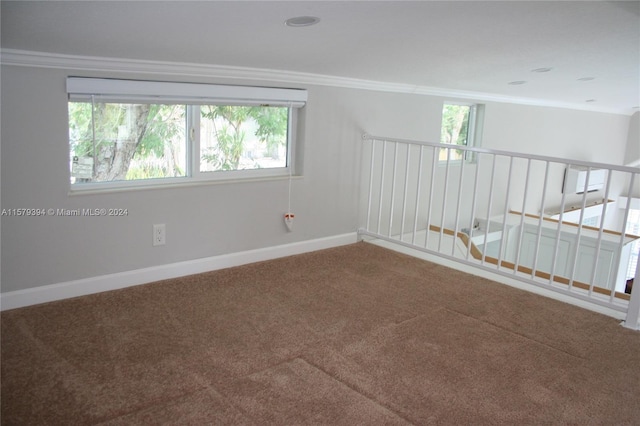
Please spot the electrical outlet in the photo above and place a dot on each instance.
(159, 234)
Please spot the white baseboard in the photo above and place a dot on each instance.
(82, 287)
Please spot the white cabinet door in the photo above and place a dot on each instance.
(586, 262)
(545, 253)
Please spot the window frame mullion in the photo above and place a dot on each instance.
(193, 136)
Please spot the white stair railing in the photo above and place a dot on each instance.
(508, 213)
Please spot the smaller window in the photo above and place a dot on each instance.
(593, 221)
(461, 124)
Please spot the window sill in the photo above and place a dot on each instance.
(109, 188)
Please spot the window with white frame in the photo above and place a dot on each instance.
(138, 133)
(461, 125)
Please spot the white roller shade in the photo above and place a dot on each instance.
(113, 90)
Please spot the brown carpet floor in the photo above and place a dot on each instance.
(355, 335)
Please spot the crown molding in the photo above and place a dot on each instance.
(27, 58)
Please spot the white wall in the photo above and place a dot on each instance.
(633, 140)
(210, 220)
(564, 133)
(578, 135)
(550, 132)
(201, 221)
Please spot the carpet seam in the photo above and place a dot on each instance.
(228, 398)
(353, 388)
(496, 326)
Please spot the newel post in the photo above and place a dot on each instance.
(633, 312)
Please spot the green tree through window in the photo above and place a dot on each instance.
(126, 141)
(455, 124)
(454, 130)
(231, 133)
(137, 141)
(461, 125)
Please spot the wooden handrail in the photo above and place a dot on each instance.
(477, 255)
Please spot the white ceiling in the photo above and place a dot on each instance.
(476, 46)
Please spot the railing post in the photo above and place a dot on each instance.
(380, 197)
(373, 152)
(393, 188)
(445, 191)
(488, 224)
(473, 206)
(406, 188)
(603, 218)
(534, 263)
(633, 310)
(460, 186)
(505, 217)
(418, 187)
(434, 159)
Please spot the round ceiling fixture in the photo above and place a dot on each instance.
(517, 83)
(301, 21)
(586, 78)
(542, 70)
(590, 100)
